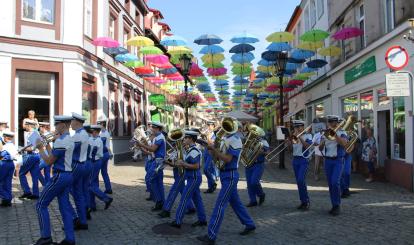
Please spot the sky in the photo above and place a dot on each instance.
(226, 18)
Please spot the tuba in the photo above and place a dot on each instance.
(140, 135)
(176, 136)
(228, 125)
(350, 129)
(253, 145)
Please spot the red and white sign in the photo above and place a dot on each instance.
(396, 58)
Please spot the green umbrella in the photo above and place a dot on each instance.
(243, 65)
(134, 63)
(150, 50)
(314, 35)
(200, 79)
(240, 87)
(238, 70)
(213, 65)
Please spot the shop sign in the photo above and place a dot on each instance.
(398, 84)
(157, 99)
(361, 70)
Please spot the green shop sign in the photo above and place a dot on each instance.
(157, 99)
(361, 70)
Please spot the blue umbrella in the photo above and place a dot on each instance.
(211, 49)
(173, 41)
(224, 92)
(208, 39)
(288, 73)
(221, 83)
(291, 66)
(296, 61)
(239, 93)
(263, 75)
(258, 80)
(279, 47)
(168, 71)
(242, 48)
(263, 62)
(270, 55)
(308, 70)
(239, 79)
(242, 58)
(302, 54)
(241, 82)
(115, 51)
(244, 38)
(273, 96)
(318, 63)
(125, 57)
(247, 99)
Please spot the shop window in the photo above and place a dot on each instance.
(383, 99)
(319, 110)
(367, 112)
(39, 10)
(88, 101)
(399, 128)
(389, 9)
(350, 106)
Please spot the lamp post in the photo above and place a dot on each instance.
(185, 62)
(280, 69)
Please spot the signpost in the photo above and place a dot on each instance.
(396, 58)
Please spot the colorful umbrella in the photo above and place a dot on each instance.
(347, 33)
(267, 69)
(212, 58)
(168, 71)
(307, 71)
(312, 46)
(318, 63)
(173, 41)
(140, 41)
(315, 35)
(263, 62)
(242, 58)
(241, 48)
(238, 70)
(150, 50)
(279, 37)
(211, 49)
(244, 38)
(134, 63)
(216, 71)
(125, 57)
(157, 59)
(330, 51)
(115, 51)
(288, 89)
(221, 83)
(213, 65)
(241, 65)
(302, 54)
(296, 61)
(106, 42)
(270, 55)
(208, 39)
(279, 47)
(179, 50)
(144, 70)
(296, 82)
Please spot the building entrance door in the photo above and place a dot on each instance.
(384, 137)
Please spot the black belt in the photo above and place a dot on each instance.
(331, 158)
(228, 170)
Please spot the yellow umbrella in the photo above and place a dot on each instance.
(330, 51)
(140, 41)
(179, 50)
(279, 37)
(312, 46)
(212, 58)
(275, 80)
(267, 69)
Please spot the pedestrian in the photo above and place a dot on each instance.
(105, 136)
(369, 153)
(60, 156)
(7, 153)
(31, 115)
(209, 168)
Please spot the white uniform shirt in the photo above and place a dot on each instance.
(298, 148)
(82, 137)
(105, 134)
(331, 146)
(96, 142)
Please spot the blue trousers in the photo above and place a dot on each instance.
(45, 177)
(228, 194)
(346, 174)
(94, 190)
(177, 187)
(191, 192)
(333, 171)
(253, 176)
(87, 182)
(300, 166)
(30, 164)
(6, 178)
(104, 172)
(58, 186)
(77, 191)
(147, 179)
(210, 171)
(156, 182)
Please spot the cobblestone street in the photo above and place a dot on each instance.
(379, 213)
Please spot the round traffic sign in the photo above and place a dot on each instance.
(396, 57)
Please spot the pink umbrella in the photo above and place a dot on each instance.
(216, 71)
(157, 59)
(176, 78)
(195, 70)
(106, 42)
(296, 82)
(347, 32)
(158, 80)
(288, 89)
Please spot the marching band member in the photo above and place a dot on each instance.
(80, 174)
(334, 152)
(31, 162)
(156, 173)
(319, 126)
(254, 174)
(59, 186)
(346, 172)
(107, 154)
(229, 178)
(45, 176)
(96, 156)
(299, 162)
(7, 153)
(193, 181)
(210, 170)
(148, 161)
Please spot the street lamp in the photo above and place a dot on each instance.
(280, 66)
(185, 62)
(409, 37)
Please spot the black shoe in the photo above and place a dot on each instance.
(25, 195)
(148, 199)
(206, 240)
(88, 214)
(33, 197)
(335, 211)
(262, 199)
(108, 192)
(191, 211)
(214, 187)
(66, 242)
(199, 223)
(346, 194)
(304, 206)
(157, 207)
(108, 203)
(175, 225)
(80, 226)
(209, 191)
(44, 241)
(164, 214)
(5, 204)
(247, 231)
(252, 204)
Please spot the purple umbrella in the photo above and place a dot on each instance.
(347, 32)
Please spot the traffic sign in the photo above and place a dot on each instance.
(396, 58)
(398, 84)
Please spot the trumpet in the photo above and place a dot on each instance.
(46, 139)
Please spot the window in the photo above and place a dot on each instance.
(389, 8)
(362, 25)
(319, 110)
(320, 8)
(350, 106)
(307, 27)
(88, 18)
(126, 37)
(87, 101)
(367, 112)
(112, 23)
(383, 99)
(138, 19)
(399, 128)
(312, 13)
(39, 10)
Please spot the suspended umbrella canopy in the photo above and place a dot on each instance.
(200, 79)
(220, 88)
(134, 63)
(144, 70)
(221, 83)
(312, 46)
(263, 62)
(125, 57)
(216, 71)
(239, 93)
(168, 71)
(179, 50)
(150, 50)
(242, 58)
(279, 47)
(241, 65)
(115, 50)
(330, 51)
(272, 88)
(213, 65)
(302, 54)
(307, 71)
(173, 41)
(106, 42)
(288, 89)
(240, 80)
(157, 81)
(224, 93)
(318, 63)
(296, 61)
(240, 86)
(301, 77)
(241, 48)
(196, 72)
(140, 41)
(222, 77)
(211, 49)
(347, 33)
(212, 58)
(176, 78)
(244, 38)
(238, 70)
(315, 35)
(263, 75)
(291, 66)
(296, 82)
(267, 69)
(157, 59)
(279, 37)
(208, 39)
(270, 55)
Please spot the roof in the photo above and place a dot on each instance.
(164, 25)
(294, 18)
(156, 13)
